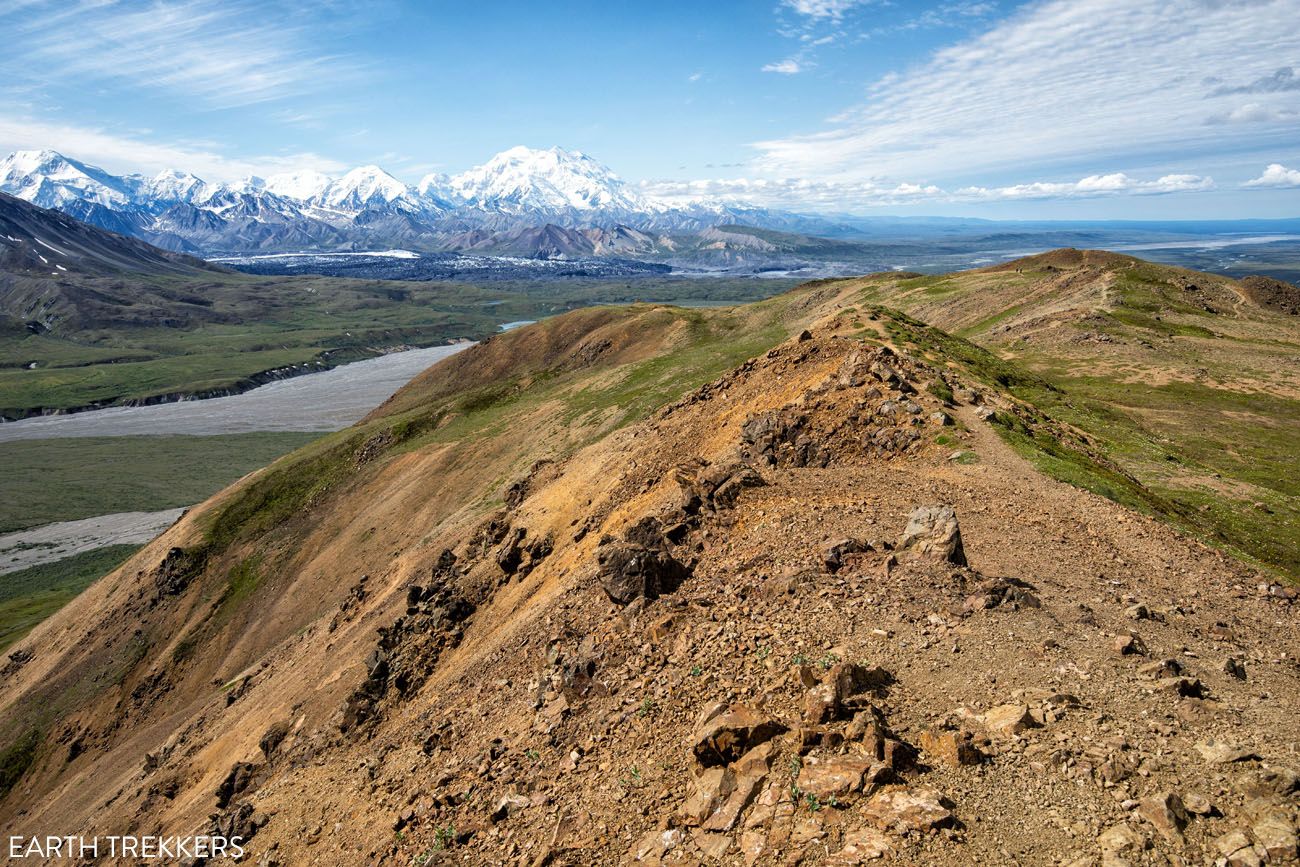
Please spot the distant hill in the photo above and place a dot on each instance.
(41, 242)
(57, 272)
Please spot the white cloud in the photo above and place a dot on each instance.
(849, 195)
(789, 66)
(1061, 82)
(123, 154)
(1276, 176)
(1116, 183)
(227, 54)
(822, 8)
(1253, 112)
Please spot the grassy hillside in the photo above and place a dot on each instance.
(30, 595)
(64, 479)
(1177, 376)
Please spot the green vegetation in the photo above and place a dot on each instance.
(16, 759)
(64, 479)
(240, 584)
(256, 324)
(30, 595)
(1216, 456)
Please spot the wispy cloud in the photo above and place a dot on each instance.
(816, 24)
(1065, 81)
(834, 9)
(227, 53)
(849, 195)
(121, 153)
(789, 66)
(1276, 176)
(1279, 82)
(1116, 183)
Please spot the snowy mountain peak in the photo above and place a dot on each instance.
(364, 187)
(553, 180)
(301, 186)
(173, 185)
(49, 179)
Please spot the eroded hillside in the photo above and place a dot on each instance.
(771, 585)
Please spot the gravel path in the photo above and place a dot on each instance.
(330, 400)
(66, 538)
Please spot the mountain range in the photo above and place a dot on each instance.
(368, 208)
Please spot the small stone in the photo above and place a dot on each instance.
(1198, 805)
(1218, 752)
(1234, 667)
(1009, 719)
(1166, 813)
(904, 810)
(950, 747)
(1127, 645)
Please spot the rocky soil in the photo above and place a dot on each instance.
(811, 613)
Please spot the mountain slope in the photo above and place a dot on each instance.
(60, 273)
(1186, 379)
(372, 652)
(89, 318)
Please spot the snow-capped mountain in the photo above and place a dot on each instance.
(51, 180)
(518, 189)
(554, 182)
(365, 188)
(301, 186)
(171, 185)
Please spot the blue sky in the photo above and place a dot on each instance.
(1049, 109)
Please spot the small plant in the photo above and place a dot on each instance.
(800, 659)
(814, 803)
(764, 651)
(534, 755)
(696, 671)
(941, 390)
(443, 837)
(647, 707)
(827, 661)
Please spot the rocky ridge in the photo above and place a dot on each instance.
(783, 621)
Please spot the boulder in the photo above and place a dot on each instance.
(1009, 719)
(1218, 752)
(861, 846)
(628, 572)
(833, 553)
(725, 737)
(932, 532)
(904, 810)
(841, 776)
